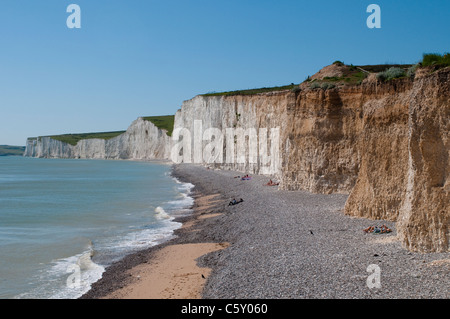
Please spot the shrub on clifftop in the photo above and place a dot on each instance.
(391, 73)
(434, 59)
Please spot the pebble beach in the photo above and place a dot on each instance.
(275, 244)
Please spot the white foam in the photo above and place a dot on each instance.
(184, 201)
(187, 186)
(145, 238)
(68, 278)
(80, 273)
(161, 213)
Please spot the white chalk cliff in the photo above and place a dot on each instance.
(142, 141)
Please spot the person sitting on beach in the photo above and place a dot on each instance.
(271, 183)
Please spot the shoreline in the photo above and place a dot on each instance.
(274, 245)
(172, 272)
(127, 278)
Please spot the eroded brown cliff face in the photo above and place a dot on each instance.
(425, 213)
(320, 139)
(385, 144)
(383, 147)
(404, 173)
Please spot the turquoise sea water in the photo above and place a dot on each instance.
(63, 221)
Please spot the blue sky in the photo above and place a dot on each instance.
(136, 58)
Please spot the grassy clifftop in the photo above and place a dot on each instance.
(73, 139)
(162, 122)
(165, 122)
(351, 75)
(254, 91)
(8, 150)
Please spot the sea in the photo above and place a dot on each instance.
(64, 221)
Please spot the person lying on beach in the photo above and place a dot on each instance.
(271, 183)
(377, 230)
(235, 202)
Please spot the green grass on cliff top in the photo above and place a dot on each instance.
(162, 122)
(436, 59)
(73, 139)
(165, 122)
(8, 150)
(254, 91)
(353, 76)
